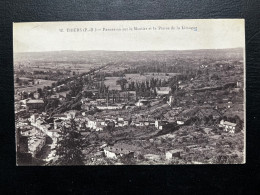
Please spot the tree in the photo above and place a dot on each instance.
(39, 90)
(239, 122)
(111, 125)
(30, 95)
(122, 82)
(87, 94)
(76, 106)
(69, 146)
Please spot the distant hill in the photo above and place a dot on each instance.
(108, 56)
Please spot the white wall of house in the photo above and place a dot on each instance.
(92, 124)
(168, 155)
(180, 122)
(99, 129)
(139, 104)
(120, 119)
(230, 128)
(110, 154)
(156, 124)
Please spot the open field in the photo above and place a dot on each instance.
(111, 69)
(31, 88)
(111, 82)
(44, 67)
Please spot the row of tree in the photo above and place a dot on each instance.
(69, 146)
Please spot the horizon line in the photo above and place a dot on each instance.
(130, 50)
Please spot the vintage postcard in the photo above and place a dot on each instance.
(140, 92)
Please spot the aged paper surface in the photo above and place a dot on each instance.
(143, 92)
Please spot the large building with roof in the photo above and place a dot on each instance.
(120, 150)
(35, 104)
(163, 90)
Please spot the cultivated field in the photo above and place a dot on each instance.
(31, 88)
(111, 81)
(148, 76)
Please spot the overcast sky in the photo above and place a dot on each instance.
(210, 34)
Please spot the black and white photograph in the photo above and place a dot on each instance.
(130, 92)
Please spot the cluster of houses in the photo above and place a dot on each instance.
(32, 139)
(29, 105)
(121, 150)
(130, 151)
(37, 141)
(35, 144)
(35, 104)
(35, 132)
(228, 126)
(99, 123)
(101, 104)
(37, 121)
(91, 122)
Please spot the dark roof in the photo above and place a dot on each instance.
(163, 88)
(175, 151)
(55, 96)
(59, 115)
(122, 148)
(58, 120)
(229, 123)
